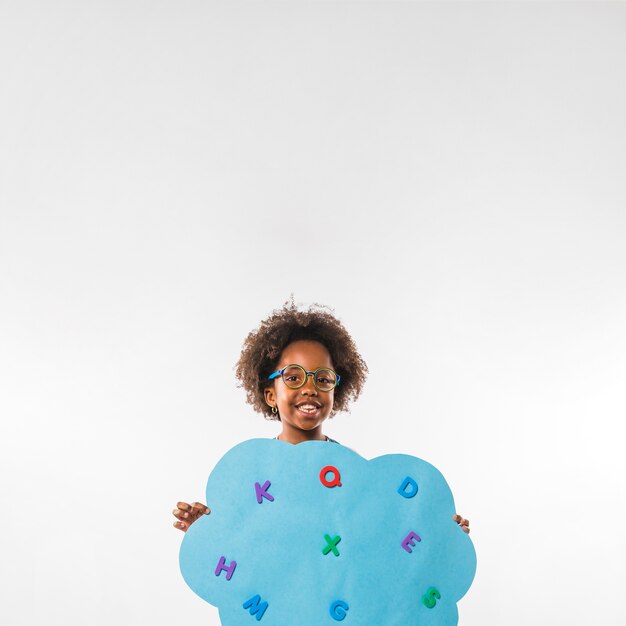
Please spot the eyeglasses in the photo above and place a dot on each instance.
(295, 376)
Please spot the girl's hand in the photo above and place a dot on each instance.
(187, 514)
(463, 523)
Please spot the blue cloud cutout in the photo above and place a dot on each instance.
(286, 545)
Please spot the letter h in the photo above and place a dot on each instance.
(222, 567)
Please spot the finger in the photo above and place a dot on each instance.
(183, 506)
(457, 518)
(465, 522)
(181, 525)
(203, 509)
(465, 529)
(180, 514)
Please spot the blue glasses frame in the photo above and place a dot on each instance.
(278, 373)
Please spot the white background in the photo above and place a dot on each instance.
(448, 177)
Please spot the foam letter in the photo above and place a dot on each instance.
(338, 610)
(221, 567)
(331, 544)
(335, 482)
(431, 597)
(261, 492)
(256, 607)
(409, 541)
(405, 483)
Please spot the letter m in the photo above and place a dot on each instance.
(256, 607)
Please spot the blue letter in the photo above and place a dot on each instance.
(338, 610)
(405, 483)
(256, 607)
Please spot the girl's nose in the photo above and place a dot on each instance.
(309, 384)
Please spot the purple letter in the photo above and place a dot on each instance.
(261, 492)
(221, 567)
(409, 541)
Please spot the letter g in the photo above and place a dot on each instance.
(338, 610)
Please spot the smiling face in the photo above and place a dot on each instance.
(302, 411)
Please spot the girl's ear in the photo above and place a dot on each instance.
(270, 396)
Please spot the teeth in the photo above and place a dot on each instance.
(307, 407)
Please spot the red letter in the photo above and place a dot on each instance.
(335, 482)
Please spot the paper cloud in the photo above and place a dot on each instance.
(313, 534)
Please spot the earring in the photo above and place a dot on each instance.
(274, 410)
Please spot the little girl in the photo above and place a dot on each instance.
(299, 368)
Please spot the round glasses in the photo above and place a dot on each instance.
(295, 376)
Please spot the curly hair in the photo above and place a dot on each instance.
(262, 349)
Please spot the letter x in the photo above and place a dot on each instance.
(331, 544)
